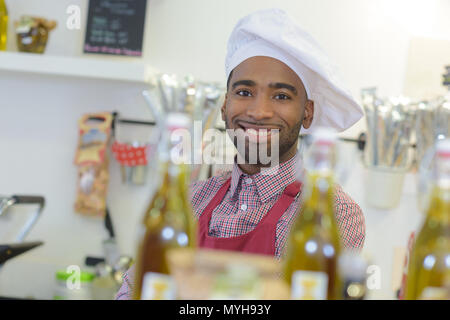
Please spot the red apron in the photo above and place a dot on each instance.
(261, 239)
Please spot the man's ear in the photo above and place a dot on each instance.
(309, 114)
(222, 109)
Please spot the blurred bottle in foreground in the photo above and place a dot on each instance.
(313, 247)
(168, 221)
(3, 25)
(429, 265)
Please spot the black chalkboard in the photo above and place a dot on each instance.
(115, 27)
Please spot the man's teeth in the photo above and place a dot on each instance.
(262, 132)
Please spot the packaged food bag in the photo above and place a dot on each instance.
(92, 161)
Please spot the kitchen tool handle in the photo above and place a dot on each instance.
(9, 251)
(109, 225)
(21, 199)
(93, 261)
(29, 200)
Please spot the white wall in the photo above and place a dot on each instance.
(367, 39)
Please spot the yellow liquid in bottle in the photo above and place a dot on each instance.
(168, 223)
(429, 266)
(3, 25)
(313, 248)
(183, 185)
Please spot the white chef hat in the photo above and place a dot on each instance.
(273, 33)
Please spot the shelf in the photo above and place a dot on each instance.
(84, 67)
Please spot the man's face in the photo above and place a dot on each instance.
(265, 94)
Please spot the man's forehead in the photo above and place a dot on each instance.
(268, 71)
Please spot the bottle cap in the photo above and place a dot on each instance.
(321, 155)
(178, 120)
(443, 148)
(324, 136)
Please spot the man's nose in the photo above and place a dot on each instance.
(260, 108)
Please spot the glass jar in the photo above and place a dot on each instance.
(32, 33)
(72, 286)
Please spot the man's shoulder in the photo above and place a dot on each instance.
(350, 219)
(209, 185)
(341, 197)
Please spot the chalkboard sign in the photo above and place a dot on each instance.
(115, 27)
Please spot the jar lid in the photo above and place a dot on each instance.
(84, 275)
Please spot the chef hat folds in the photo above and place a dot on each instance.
(272, 33)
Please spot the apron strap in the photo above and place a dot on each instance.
(215, 201)
(283, 203)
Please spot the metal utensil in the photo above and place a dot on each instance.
(7, 202)
(389, 125)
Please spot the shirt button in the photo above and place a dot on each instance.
(244, 207)
(248, 181)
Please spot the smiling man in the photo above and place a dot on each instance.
(280, 83)
(265, 95)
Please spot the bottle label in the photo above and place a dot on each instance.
(309, 285)
(157, 286)
(435, 293)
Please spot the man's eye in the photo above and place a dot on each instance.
(243, 93)
(282, 96)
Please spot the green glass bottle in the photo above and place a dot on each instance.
(429, 267)
(310, 266)
(3, 25)
(168, 221)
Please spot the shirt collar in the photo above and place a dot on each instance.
(267, 185)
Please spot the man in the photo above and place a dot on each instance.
(278, 79)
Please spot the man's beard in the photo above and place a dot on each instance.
(284, 144)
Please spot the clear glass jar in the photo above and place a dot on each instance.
(73, 286)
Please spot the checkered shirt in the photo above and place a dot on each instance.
(249, 199)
